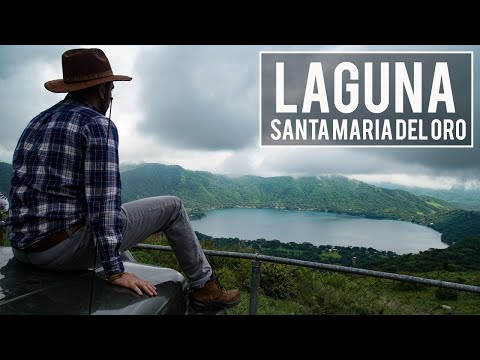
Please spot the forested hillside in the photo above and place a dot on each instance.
(5, 175)
(467, 199)
(204, 191)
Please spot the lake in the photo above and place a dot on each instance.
(318, 228)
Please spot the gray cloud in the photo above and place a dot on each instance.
(333, 161)
(22, 94)
(13, 57)
(198, 98)
(206, 98)
(461, 163)
(201, 97)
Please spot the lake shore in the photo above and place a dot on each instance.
(318, 228)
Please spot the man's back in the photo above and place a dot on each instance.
(51, 179)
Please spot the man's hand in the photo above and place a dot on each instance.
(131, 281)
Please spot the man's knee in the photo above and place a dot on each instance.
(176, 202)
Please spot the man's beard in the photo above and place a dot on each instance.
(104, 106)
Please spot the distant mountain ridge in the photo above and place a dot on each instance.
(459, 197)
(203, 190)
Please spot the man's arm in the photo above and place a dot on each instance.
(103, 194)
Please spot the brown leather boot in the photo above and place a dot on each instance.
(214, 295)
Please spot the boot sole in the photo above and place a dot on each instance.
(197, 305)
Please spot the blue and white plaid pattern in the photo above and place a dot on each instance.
(58, 179)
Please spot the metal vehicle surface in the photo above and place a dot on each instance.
(27, 290)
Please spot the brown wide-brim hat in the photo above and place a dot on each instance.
(83, 68)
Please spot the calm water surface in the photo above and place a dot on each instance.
(319, 229)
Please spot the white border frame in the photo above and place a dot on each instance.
(362, 146)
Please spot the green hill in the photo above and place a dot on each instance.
(204, 191)
(5, 175)
(467, 199)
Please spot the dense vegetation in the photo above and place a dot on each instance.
(456, 225)
(5, 175)
(461, 256)
(204, 191)
(467, 199)
(296, 290)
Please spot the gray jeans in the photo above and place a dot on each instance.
(141, 218)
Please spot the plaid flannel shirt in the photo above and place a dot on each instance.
(63, 172)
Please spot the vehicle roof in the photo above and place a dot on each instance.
(28, 290)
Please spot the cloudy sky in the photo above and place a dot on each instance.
(197, 106)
